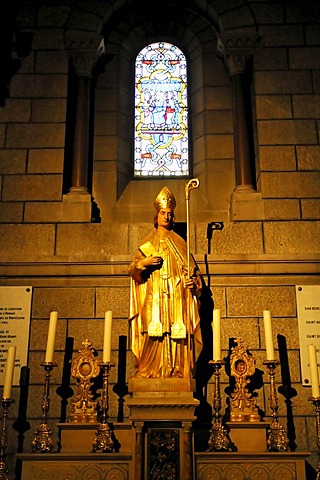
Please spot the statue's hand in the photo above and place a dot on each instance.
(151, 262)
(189, 283)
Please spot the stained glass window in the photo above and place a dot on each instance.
(161, 112)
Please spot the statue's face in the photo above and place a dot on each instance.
(165, 218)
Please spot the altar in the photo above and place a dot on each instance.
(157, 440)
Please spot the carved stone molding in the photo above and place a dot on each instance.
(263, 471)
(249, 466)
(236, 51)
(75, 467)
(85, 50)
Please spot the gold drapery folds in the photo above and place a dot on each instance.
(163, 309)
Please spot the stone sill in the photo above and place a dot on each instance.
(207, 456)
(104, 266)
(99, 456)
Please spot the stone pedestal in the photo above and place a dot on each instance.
(162, 412)
(79, 437)
(246, 204)
(248, 436)
(76, 206)
(162, 399)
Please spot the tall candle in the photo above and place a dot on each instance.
(107, 337)
(8, 375)
(216, 330)
(313, 365)
(268, 334)
(51, 336)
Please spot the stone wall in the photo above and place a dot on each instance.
(80, 268)
(242, 287)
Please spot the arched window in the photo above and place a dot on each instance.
(161, 112)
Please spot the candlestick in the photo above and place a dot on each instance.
(218, 440)
(107, 337)
(51, 336)
(277, 438)
(316, 403)
(42, 442)
(4, 472)
(216, 329)
(8, 375)
(104, 438)
(313, 366)
(268, 334)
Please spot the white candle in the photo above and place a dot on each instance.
(107, 337)
(51, 336)
(216, 330)
(8, 375)
(268, 334)
(313, 365)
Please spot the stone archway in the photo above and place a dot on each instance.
(124, 28)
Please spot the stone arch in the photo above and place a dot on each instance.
(125, 27)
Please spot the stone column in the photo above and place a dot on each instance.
(138, 451)
(246, 203)
(244, 172)
(79, 181)
(187, 455)
(84, 51)
(236, 52)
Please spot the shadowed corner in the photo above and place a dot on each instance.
(64, 390)
(21, 425)
(120, 388)
(204, 370)
(286, 390)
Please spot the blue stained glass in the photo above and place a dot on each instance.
(161, 112)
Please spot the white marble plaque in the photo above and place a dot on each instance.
(15, 308)
(308, 307)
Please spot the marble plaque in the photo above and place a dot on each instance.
(308, 309)
(15, 308)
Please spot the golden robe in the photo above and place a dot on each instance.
(161, 294)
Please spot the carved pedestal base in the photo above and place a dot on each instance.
(162, 412)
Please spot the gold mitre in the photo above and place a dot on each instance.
(165, 199)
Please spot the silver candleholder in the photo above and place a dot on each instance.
(277, 439)
(316, 403)
(103, 438)
(4, 472)
(42, 442)
(218, 440)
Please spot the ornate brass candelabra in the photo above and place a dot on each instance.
(3, 440)
(103, 439)
(218, 440)
(277, 438)
(42, 442)
(316, 403)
